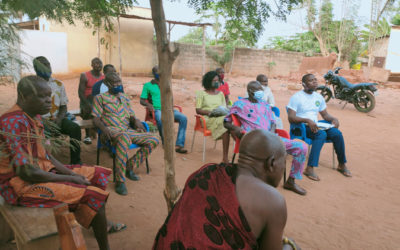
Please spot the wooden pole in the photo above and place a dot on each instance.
(166, 58)
(203, 52)
(98, 42)
(119, 47)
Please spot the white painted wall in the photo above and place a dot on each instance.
(393, 55)
(52, 45)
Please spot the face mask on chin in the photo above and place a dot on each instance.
(221, 77)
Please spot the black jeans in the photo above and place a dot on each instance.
(73, 130)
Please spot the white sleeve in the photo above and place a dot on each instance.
(322, 107)
(293, 103)
(271, 99)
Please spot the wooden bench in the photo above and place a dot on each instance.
(76, 112)
(34, 228)
(85, 123)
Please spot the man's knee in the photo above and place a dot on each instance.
(335, 133)
(71, 129)
(181, 118)
(320, 135)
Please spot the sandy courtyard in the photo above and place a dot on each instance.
(362, 212)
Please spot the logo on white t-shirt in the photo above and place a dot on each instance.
(317, 103)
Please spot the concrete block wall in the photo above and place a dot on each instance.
(246, 62)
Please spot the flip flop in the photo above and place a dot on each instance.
(312, 176)
(344, 171)
(181, 150)
(116, 227)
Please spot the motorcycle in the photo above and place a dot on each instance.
(361, 95)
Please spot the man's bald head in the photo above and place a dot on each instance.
(97, 65)
(34, 95)
(29, 85)
(112, 77)
(261, 146)
(263, 79)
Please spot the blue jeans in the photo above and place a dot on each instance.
(318, 140)
(179, 118)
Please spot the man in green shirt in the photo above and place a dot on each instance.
(151, 99)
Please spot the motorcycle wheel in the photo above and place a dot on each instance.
(325, 93)
(364, 101)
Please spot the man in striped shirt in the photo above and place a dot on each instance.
(114, 116)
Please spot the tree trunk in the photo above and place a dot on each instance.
(322, 45)
(166, 58)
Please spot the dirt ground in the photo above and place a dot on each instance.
(361, 212)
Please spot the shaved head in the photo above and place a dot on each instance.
(260, 144)
(264, 154)
(29, 85)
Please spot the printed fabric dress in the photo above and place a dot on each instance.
(23, 141)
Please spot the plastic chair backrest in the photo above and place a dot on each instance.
(276, 111)
(282, 133)
(201, 125)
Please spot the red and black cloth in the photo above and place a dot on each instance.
(208, 215)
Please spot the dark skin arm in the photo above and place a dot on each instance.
(202, 112)
(234, 130)
(295, 119)
(136, 124)
(30, 173)
(61, 115)
(146, 103)
(81, 90)
(98, 124)
(227, 100)
(327, 117)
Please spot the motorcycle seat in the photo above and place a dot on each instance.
(343, 81)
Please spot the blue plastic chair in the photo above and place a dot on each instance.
(113, 150)
(298, 131)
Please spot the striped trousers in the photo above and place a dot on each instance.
(122, 140)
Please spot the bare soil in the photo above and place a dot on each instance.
(361, 212)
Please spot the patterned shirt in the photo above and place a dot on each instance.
(252, 115)
(114, 111)
(58, 98)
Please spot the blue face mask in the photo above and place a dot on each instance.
(215, 85)
(118, 89)
(45, 75)
(157, 76)
(259, 95)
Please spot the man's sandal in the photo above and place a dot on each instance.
(116, 227)
(344, 171)
(312, 176)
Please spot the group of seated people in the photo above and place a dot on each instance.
(37, 179)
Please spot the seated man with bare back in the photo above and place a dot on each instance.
(218, 209)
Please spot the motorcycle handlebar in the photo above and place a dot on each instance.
(336, 70)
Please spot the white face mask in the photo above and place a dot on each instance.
(259, 95)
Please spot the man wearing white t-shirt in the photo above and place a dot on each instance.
(304, 106)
